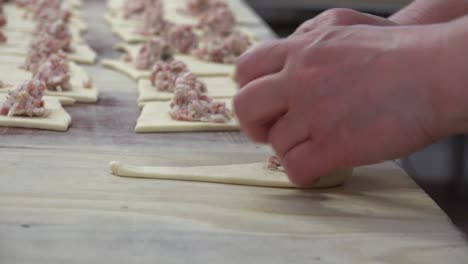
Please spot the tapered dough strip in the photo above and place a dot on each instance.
(253, 174)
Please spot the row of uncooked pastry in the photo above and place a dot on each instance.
(155, 115)
(20, 29)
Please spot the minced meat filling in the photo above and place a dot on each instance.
(154, 22)
(39, 50)
(152, 51)
(164, 74)
(198, 7)
(191, 104)
(60, 31)
(55, 72)
(219, 21)
(133, 7)
(3, 38)
(222, 49)
(25, 100)
(182, 38)
(274, 163)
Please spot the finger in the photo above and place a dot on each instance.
(287, 132)
(309, 161)
(341, 17)
(259, 104)
(265, 59)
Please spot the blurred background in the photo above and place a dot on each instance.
(441, 169)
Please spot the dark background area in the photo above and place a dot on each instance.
(438, 169)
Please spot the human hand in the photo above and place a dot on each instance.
(345, 96)
(341, 17)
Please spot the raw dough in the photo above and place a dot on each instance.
(58, 119)
(155, 118)
(14, 76)
(243, 174)
(243, 14)
(126, 68)
(196, 66)
(81, 53)
(218, 87)
(125, 30)
(16, 20)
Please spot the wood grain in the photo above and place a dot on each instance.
(60, 204)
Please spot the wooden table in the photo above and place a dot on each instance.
(60, 204)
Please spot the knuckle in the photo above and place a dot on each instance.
(335, 16)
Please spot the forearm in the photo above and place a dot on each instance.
(431, 12)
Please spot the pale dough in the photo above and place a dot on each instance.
(126, 29)
(242, 174)
(217, 87)
(14, 76)
(196, 66)
(80, 53)
(16, 20)
(126, 68)
(58, 119)
(155, 118)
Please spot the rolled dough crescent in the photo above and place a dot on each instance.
(217, 87)
(243, 174)
(57, 120)
(155, 118)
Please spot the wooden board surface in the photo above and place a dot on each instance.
(60, 204)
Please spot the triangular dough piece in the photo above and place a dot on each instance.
(242, 174)
(14, 76)
(244, 15)
(196, 66)
(81, 53)
(154, 118)
(217, 87)
(17, 21)
(57, 120)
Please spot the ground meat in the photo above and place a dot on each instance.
(190, 104)
(198, 7)
(88, 84)
(22, 3)
(274, 163)
(3, 20)
(153, 18)
(25, 100)
(218, 21)
(182, 38)
(60, 32)
(133, 7)
(40, 49)
(222, 49)
(55, 72)
(3, 38)
(164, 74)
(126, 58)
(45, 19)
(152, 51)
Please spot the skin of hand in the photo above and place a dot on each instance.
(342, 96)
(341, 17)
